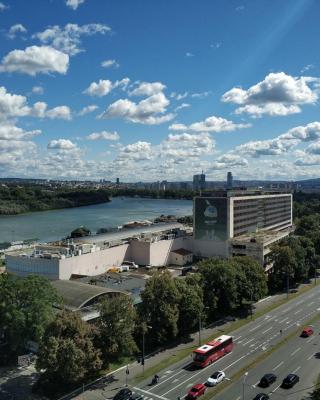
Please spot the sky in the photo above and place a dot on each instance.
(149, 90)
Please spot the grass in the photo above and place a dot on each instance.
(183, 353)
(257, 360)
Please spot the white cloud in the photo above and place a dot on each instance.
(61, 144)
(12, 105)
(272, 147)
(277, 94)
(216, 45)
(314, 148)
(14, 29)
(34, 60)
(200, 95)
(110, 63)
(188, 54)
(307, 68)
(179, 96)
(210, 124)
(104, 87)
(228, 161)
(139, 151)
(3, 6)
(183, 105)
(37, 90)
(68, 38)
(148, 89)
(88, 109)
(145, 112)
(305, 133)
(309, 160)
(60, 112)
(104, 135)
(8, 131)
(74, 4)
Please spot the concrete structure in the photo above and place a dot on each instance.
(227, 215)
(94, 255)
(181, 257)
(199, 182)
(229, 180)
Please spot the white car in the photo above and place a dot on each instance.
(130, 264)
(215, 378)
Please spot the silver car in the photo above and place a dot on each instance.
(215, 378)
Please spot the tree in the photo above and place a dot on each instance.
(190, 303)
(25, 309)
(159, 308)
(250, 279)
(284, 264)
(67, 353)
(116, 326)
(219, 285)
(80, 232)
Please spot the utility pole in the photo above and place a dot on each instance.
(287, 279)
(243, 384)
(200, 329)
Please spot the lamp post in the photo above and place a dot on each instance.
(145, 328)
(200, 321)
(243, 383)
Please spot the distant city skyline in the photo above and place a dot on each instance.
(153, 91)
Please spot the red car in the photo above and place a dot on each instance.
(307, 331)
(196, 391)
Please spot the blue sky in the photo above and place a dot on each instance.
(150, 90)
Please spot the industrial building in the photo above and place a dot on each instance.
(250, 220)
(95, 255)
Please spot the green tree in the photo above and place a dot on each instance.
(25, 309)
(190, 303)
(116, 326)
(250, 278)
(159, 308)
(219, 279)
(284, 264)
(67, 353)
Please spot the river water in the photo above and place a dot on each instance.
(56, 224)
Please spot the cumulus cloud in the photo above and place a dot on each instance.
(14, 29)
(61, 144)
(210, 124)
(9, 131)
(145, 112)
(68, 38)
(182, 147)
(12, 105)
(139, 151)
(37, 90)
(110, 64)
(277, 94)
(104, 135)
(3, 6)
(227, 161)
(60, 112)
(305, 133)
(88, 109)
(34, 60)
(104, 87)
(314, 148)
(74, 4)
(148, 89)
(308, 160)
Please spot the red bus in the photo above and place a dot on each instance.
(212, 351)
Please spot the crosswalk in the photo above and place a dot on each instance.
(147, 395)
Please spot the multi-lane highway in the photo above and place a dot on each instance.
(249, 342)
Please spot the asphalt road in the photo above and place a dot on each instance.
(249, 342)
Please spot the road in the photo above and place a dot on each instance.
(250, 341)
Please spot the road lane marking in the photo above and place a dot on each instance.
(237, 338)
(244, 344)
(280, 322)
(296, 351)
(310, 304)
(296, 370)
(238, 398)
(275, 388)
(256, 327)
(277, 366)
(151, 394)
(170, 377)
(256, 384)
(267, 330)
(234, 362)
(297, 312)
(309, 340)
(312, 355)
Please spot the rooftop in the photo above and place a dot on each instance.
(261, 236)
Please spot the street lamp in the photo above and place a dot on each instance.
(243, 383)
(145, 328)
(200, 321)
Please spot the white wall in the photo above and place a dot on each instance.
(160, 251)
(140, 252)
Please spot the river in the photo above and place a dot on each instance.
(56, 224)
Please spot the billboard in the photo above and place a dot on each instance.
(210, 218)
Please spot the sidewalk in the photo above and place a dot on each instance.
(108, 386)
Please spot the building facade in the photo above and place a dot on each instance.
(199, 182)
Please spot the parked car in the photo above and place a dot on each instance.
(196, 391)
(290, 381)
(267, 380)
(307, 331)
(215, 378)
(123, 394)
(261, 396)
(130, 264)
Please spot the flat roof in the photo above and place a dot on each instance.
(262, 236)
(77, 294)
(129, 233)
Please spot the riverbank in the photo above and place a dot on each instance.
(15, 200)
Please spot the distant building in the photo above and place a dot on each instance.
(229, 180)
(199, 182)
(118, 181)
